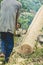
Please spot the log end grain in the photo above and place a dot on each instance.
(25, 49)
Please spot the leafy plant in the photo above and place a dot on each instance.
(25, 19)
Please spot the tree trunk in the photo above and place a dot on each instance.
(33, 32)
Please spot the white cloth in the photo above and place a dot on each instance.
(8, 15)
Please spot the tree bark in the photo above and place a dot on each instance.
(33, 32)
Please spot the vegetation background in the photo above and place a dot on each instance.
(29, 9)
(27, 13)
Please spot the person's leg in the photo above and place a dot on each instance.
(6, 44)
(2, 46)
(9, 45)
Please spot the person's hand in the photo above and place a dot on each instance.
(18, 25)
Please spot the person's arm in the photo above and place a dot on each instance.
(19, 5)
(17, 15)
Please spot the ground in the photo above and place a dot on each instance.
(36, 58)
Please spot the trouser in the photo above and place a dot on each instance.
(6, 44)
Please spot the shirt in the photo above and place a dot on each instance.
(8, 15)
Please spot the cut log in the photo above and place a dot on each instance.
(33, 32)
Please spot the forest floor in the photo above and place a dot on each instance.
(36, 58)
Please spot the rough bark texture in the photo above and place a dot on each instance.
(33, 32)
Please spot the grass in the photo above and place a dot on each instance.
(2, 58)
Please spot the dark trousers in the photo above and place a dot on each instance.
(6, 44)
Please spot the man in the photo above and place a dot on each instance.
(9, 16)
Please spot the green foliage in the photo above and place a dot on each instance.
(0, 1)
(38, 53)
(36, 63)
(31, 7)
(25, 19)
(31, 4)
